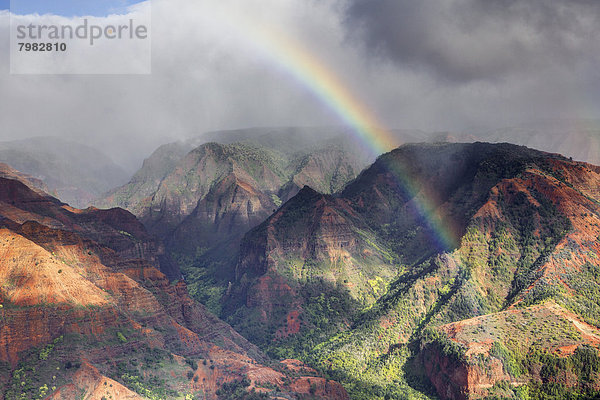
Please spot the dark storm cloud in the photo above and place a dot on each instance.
(467, 40)
(450, 64)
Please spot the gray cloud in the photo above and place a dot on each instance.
(204, 77)
(466, 40)
(414, 64)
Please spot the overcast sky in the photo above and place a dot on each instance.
(427, 64)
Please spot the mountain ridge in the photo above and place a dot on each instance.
(509, 209)
(83, 303)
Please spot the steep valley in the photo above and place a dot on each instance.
(442, 270)
(201, 202)
(86, 313)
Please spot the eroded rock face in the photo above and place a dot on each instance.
(87, 283)
(319, 228)
(223, 366)
(115, 229)
(211, 170)
(319, 387)
(455, 379)
(96, 386)
(229, 209)
(33, 327)
(548, 327)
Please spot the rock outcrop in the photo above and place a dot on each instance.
(84, 309)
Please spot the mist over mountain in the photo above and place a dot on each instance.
(79, 174)
(73, 172)
(165, 176)
(576, 138)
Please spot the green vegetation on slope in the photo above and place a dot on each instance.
(374, 351)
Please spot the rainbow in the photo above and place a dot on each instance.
(311, 73)
(298, 62)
